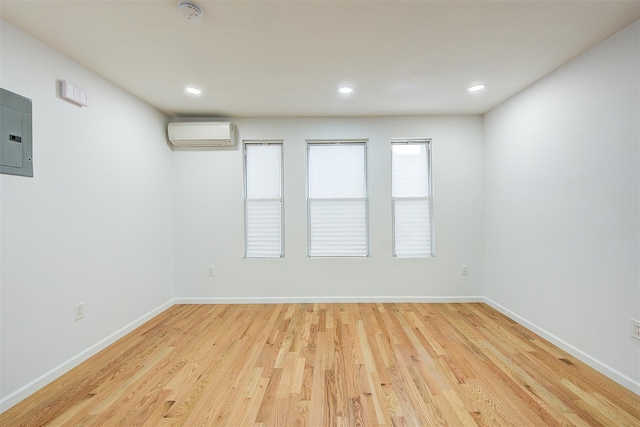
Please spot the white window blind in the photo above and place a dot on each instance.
(337, 199)
(263, 200)
(411, 199)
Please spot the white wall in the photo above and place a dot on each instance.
(93, 225)
(562, 208)
(209, 216)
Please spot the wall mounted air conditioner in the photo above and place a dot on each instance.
(202, 134)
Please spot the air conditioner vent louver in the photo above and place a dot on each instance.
(202, 134)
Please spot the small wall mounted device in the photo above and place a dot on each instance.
(190, 11)
(74, 93)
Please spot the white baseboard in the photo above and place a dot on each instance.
(604, 369)
(44, 379)
(321, 300)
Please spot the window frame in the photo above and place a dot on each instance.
(429, 197)
(333, 142)
(245, 143)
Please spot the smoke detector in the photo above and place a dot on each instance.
(190, 11)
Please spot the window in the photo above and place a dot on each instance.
(263, 200)
(337, 199)
(411, 199)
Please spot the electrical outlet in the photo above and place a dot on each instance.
(78, 311)
(464, 270)
(210, 270)
(635, 328)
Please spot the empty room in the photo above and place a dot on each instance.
(319, 213)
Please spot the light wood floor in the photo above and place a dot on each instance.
(330, 365)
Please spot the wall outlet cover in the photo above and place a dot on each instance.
(635, 328)
(78, 311)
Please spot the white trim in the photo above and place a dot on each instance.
(337, 141)
(46, 378)
(603, 368)
(321, 300)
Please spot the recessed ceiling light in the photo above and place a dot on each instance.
(477, 87)
(345, 90)
(193, 90)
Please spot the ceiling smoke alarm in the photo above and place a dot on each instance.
(190, 11)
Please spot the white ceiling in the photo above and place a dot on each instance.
(287, 58)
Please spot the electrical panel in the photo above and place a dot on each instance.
(16, 153)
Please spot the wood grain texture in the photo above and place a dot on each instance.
(330, 365)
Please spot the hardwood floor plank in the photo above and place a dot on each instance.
(461, 413)
(253, 407)
(319, 365)
(316, 410)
